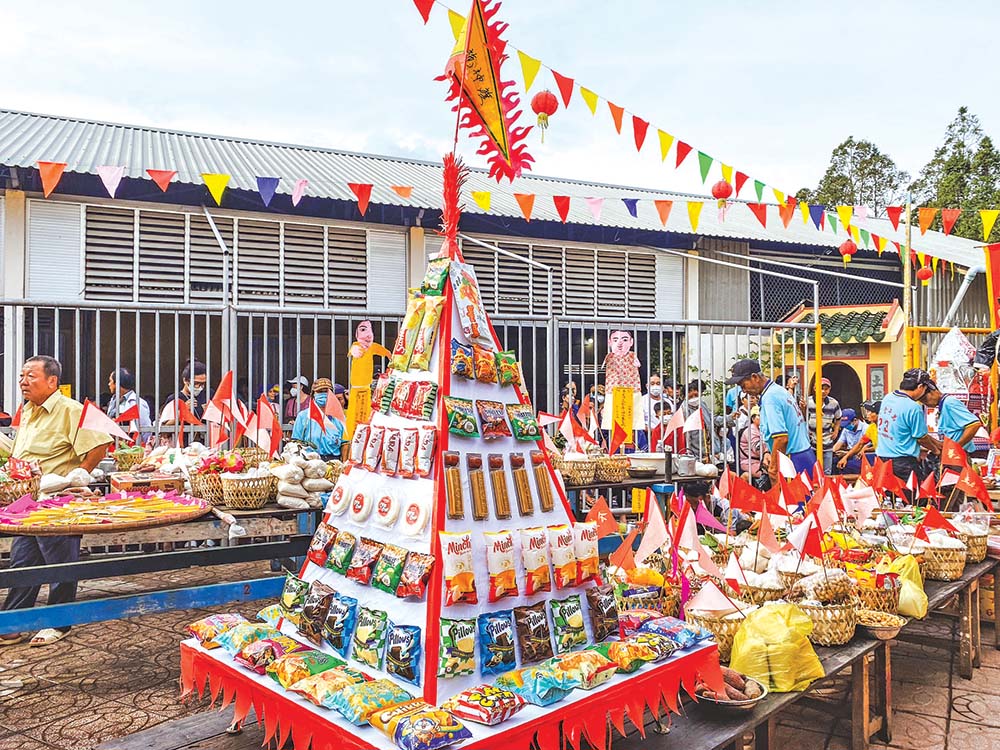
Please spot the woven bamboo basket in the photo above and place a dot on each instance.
(11, 491)
(125, 460)
(880, 600)
(721, 556)
(944, 563)
(576, 471)
(722, 628)
(833, 625)
(248, 493)
(333, 470)
(252, 456)
(790, 577)
(755, 594)
(612, 469)
(208, 487)
(975, 546)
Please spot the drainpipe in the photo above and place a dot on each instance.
(970, 275)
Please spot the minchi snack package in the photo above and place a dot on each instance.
(683, 634)
(535, 557)
(436, 276)
(461, 417)
(523, 422)
(341, 551)
(540, 686)
(390, 451)
(417, 725)
(363, 561)
(508, 370)
(293, 595)
(373, 448)
(358, 443)
(469, 303)
(534, 639)
(403, 652)
(459, 575)
(207, 628)
(416, 574)
(461, 360)
(407, 335)
(457, 652)
(357, 703)
(629, 656)
(270, 614)
(585, 549)
(567, 623)
(485, 364)
(340, 620)
(496, 642)
(425, 450)
(493, 419)
(386, 509)
(314, 611)
(562, 549)
(319, 547)
(389, 568)
(233, 641)
(321, 687)
(663, 647)
(603, 612)
(408, 452)
(415, 516)
(369, 637)
(423, 344)
(485, 704)
(586, 668)
(257, 655)
(290, 668)
(500, 564)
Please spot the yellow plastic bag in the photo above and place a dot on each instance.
(912, 599)
(772, 646)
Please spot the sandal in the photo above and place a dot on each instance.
(47, 636)
(12, 639)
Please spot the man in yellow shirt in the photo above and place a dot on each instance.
(871, 410)
(49, 434)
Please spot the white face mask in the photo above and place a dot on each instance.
(293, 391)
(655, 391)
(197, 389)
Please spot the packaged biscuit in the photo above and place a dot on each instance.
(386, 509)
(562, 549)
(461, 417)
(436, 276)
(535, 557)
(373, 448)
(585, 549)
(500, 564)
(321, 687)
(390, 451)
(314, 612)
(485, 704)
(416, 574)
(382, 384)
(523, 422)
(461, 360)
(683, 634)
(425, 450)
(402, 396)
(662, 646)
(415, 517)
(540, 686)
(422, 400)
(369, 637)
(587, 668)
(319, 547)
(363, 560)
(358, 443)
(403, 652)
(340, 620)
(423, 344)
(207, 628)
(389, 568)
(233, 641)
(534, 640)
(492, 419)
(459, 575)
(258, 655)
(340, 497)
(508, 370)
(417, 725)
(469, 303)
(485, 364)
(407, 335)
(362, 503)
(293, 595)
(457, 652)
(496, 642)
(408, 452)
(567, 623)
(358, 702)
(385, 400)
(629, 656)
(270, 614)
(290, 668)
(341, 551)
(603, 612)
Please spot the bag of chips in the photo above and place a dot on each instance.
(469, 303)
(493, 418)
(630, 620)
(319, 547)
(461, 417)
(459, 575)
(663, 647)
(257, 655)
(586, 668)
(534, 640)
(500, 564)
(293, 595)
(403, 652)
(567, 623)
(423, 344)
(407, 335)
(208, 628)
(561, 547)
(485, 364)
(389, 568)
(461, 360)
(682, 633)
(290, 668)
(314, 611)
(364, 559)
(417, 725)
(535, 557)
(508, 370)
(585, 549)
(340, 620)
(341, 551)
(436, 276)
(369, 637)
(358, 702)
(496, 642)
(270, 614)
(416, 574)
(523, 422)
(603, 612)
(540, 686)
(629, 656)
(233, 641)
(321, 687)
(485, 704)
(457, 652)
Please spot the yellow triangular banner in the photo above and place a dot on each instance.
(934, 262)
(845, 214)
(666, 141)
(780, 196)
(590, 98)
(529, 68)
(922, 258)
(727, 173)
(482, 199)
(216, 184)
(694, 212)
(853, 230)
(804, 208)
(989, 217)
(881, 243)
(457, 21)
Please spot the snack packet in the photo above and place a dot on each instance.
(386, 509)
(416, 574)
(561, 547)
(485, 704)
(492, 416)
(361, 506)
(358, 702)
(567, 623)
(535, 556)
(496, 642)
(682, 633)
(407, 335)
(369, 637)
(340, 496)
(293, 595)
(208, 628)
(290, 668)
(485, 364)
(425, 450)
(459, 575)
(534, 640)
(402, 396)
(270, 614)
(385, 401)
(358, 443)
(422, 400)
(436, 276)
(417, 725)
(390, 451)
(373, 448)
(469, 303)
(233, 641)
(585, 550)
(500, 564)
(314, 611)
(340, 620)
(364, 559)
(523, 422)
(508, 370)
(423, 344)
(389, 568)
(586, 668)
(415, 517)
(629, 656)
(319, 547)
(322, 686)
(630, 620)
(540, 686)
(661, 646)
(408, 452)
(461, 360)
(403, 652)
(456, 654)
(603, 612)
(341, 551)
(257, 655)
(461, 417)
(382, 384)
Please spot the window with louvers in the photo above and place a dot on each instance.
(347, 268)
(161, 256)
(259, 259)
(581, 281)
(553, 258)
(513, 280)
(206, 258)
(109, 253)
(304, 265)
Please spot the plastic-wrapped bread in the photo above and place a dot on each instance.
(477, 486)
(453, 486)
(522, 487)
(498, 478)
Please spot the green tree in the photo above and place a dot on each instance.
(859, 174)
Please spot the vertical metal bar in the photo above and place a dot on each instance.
(77, 340)
(55, 337)
(177, 363)
(97, 349)
(315, 342)
(298, 358)
(118, 354)
(156, 371)
(281, 362)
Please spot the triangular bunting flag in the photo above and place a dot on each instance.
(727, 173)
(363, 192)
(816, 213)
(639, 128)
(50, 172)
(424, 8)
(590, 99)
(865, 236)
(161, 177)
(529, 68)
(457, 23)
(92, 418)
(266, 186)
(403, 191)
(989, 218)
(758, 188)
(666, 141)
(778, 196)
(786, 213)
(663, 209)
(601, 514)
(482, 199)
(624, 557)
(694, 211)
(526, 201)
(111, 177)
(300, 189)
(595, 205)
(562, 206)
(845, 213)
(760, 211)
(632, 204)
(804, 208)
(925, 216)
(682, 151)
(879, 243)
(616, 115)
(655, 534)
(894, 212)
(833, 222)
(948, 218)
(704, 164)
(741, 180)
(565, 86)
(216, 184)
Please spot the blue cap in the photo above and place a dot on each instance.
(847, 416)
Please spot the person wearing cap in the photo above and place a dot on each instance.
(327, 440)
(954, 420)
(298, 391)
(340, 393)
(753, 456)
(831, 421)
(869, 436)
(902, 426)
(781, 422)
(851, 433)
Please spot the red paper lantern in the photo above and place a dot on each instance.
(925, 274)
(847, 249)
(544, 104)
(722, 190)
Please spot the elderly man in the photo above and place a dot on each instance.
(49, 434)
(831, 421)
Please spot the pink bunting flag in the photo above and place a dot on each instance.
(595, 205)
(111, 177)
(92, 418)
(655, 534)
(861, 212)
(706, 519)
(298, 191)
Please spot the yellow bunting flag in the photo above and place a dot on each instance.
(853, 231)
(482, 199)
(590, 98)
(216, 184)
(922, 259)
(804, 208)
(846, 213)
(881, 243)
(694, 212)
(934, 262)
(727, 173)
(989, 217)
(779, 196)
(529, 68)
(457, 21)
(666, 141)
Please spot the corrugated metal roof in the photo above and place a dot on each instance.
(84, 145)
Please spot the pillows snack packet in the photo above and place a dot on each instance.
(523, 422)
(408, 452)
(436, 276)
(290, 668)
(357, 702)
(535, 556)
(340, 620)
(603, 612)
(293, 594)
(587, 668)
(461, 360)
(500, 564)
(364, 559)
(508, 370)
(319, 547)
(496, 642)
(407, 335)
(485, 704)
(270, 614)
(461, 417)
(457, 652)
(459, 575)
(390, 451)
(683, 634)
(485, 364)
(567, 623)
(389, 568)
(207, 628)
(321, 687)
(369, 637)
(403, 652)
(257, 655)
(416, 574)
(493, 417)
(663, 647)
(562, 548)
(341, 551)
(540, 686)
(585, 549)
(534, 640)
(314, 611)
(417, 725)
(425, 450)
(629, 656)
(232, 641)
(423, 344)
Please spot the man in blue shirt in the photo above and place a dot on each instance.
(902, 426)
(781, 422)
(327, 440)
(850, 435)
(955, 421)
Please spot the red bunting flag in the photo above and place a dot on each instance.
(316, 415)
(928, 489)
(639, 128)
(953, 454)
(663, 209)
(618, 438)
(743, 496)
(623, 557)
(925, 217)
(734, 574)
(934, 520)
(919, 533)
(948, 218)
(760, 211)
(403, 191)
(972, 484)
(161, 177)
(565, 86)
(894, 213)
(15, 421)
(807, 537)
(363, 192)
(129, 415)
(740, 181)
(526, 201)
(601, 514)
(50, 172)
(275, 435)
(424, 8)
(682, 151)
(562, 206)
(616, 114)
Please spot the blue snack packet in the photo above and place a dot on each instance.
(339, 625)
(496, 642)
(403, 652)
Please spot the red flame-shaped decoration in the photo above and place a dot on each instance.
(544, 104)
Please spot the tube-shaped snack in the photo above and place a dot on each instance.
(522, 487)
(453, 485)
(477, 484)
(545, 500)
(498, 478)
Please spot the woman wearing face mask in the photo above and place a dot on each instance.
(298, 401)
(327, 439)
(195, 379)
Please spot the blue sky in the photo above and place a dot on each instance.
(768, 87)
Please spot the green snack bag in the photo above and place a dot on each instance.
(461, 416)
(293, 595)
(508, 370)
(341, 551)
(436, 276)
(369, 637)
(567, 623)
(457, 654)
(389, 568)
(523, 422)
